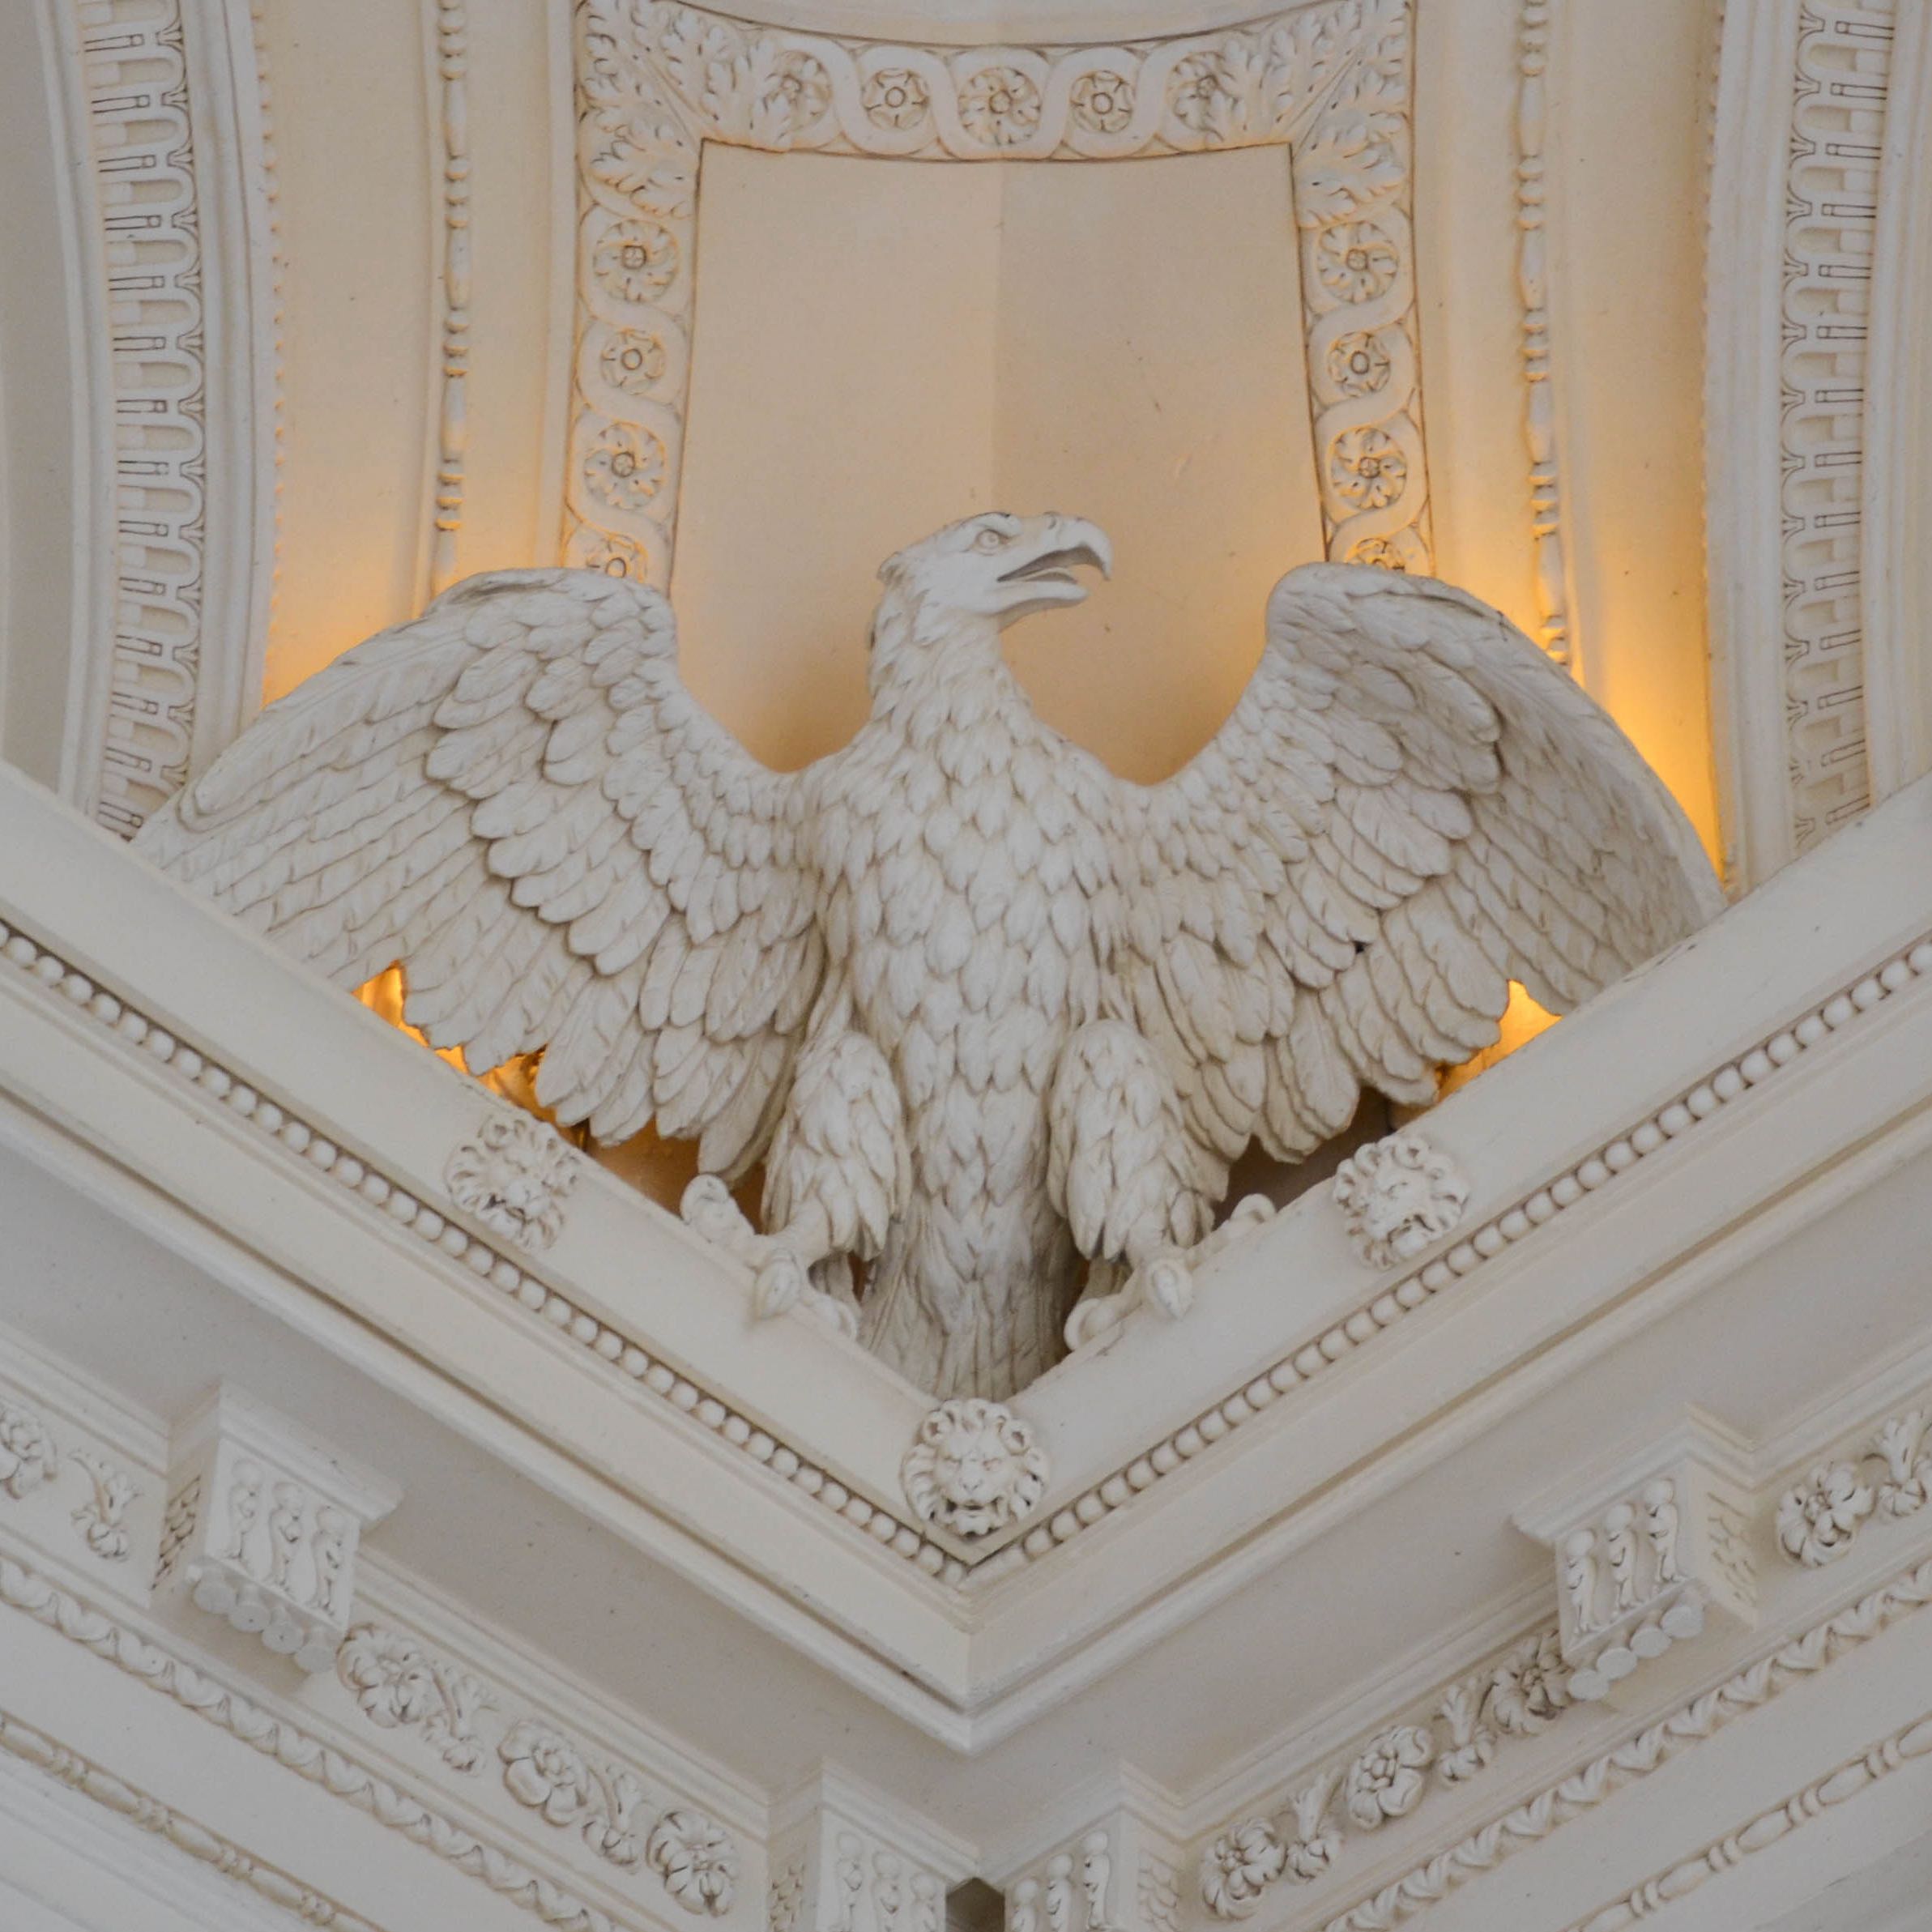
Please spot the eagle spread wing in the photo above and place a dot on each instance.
(516, 797)
(1411, 807)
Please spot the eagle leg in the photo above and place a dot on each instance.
(1123, 1169)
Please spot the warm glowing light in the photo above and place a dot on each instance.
(1522, 1020)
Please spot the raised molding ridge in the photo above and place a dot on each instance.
(448, 26)
(552, 1897)
(270, 1881)
(374, 1192)
(181, 219)
(1690, 1725)
(1852, 1778)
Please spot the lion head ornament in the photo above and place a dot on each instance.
(1398, 1195)
(514, 1177)
(974, 1468)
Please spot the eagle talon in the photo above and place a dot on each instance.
(1169, 1284)
(781, 1284)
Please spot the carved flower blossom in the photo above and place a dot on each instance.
(895, 97)
(1359, 365)
(1383, 553)
(1386, 1781)
(1356, 261)
(1103, 101)
(27, 1457)
(1367, 468)
(516, 1174)
(633, 361)
(1199, 92)
(1238, 1866)
(797, 92)
(625, 467)
(696, 1860)
(636, 260)
(974, 1468)
(1398, 1194)
(1818, 1520)
(618, 556)
(1530, 1687)
(545, 1771)
(999, 106)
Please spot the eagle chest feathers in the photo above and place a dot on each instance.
(984, 1012)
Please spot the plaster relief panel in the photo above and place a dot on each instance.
(1063, 297)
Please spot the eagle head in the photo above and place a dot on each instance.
(998, 566)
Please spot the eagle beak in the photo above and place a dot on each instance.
(1062, 545)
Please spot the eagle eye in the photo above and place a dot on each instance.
(989, 539)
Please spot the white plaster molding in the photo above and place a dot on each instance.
(1333, 82)
(1795, 210)
(1646, 1550)
(263, 1521)
(550, 1897)
(1896, 583)
(1849, 1780)
(1441, 1742)
(180, 233)
(447, 27)
(268, 1882)
(1554, 628)
(1801, 1657)
(1725, 1085)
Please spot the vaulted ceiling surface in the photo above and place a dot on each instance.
(427, 421)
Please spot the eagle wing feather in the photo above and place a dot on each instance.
(1411, 807)
(516, 798)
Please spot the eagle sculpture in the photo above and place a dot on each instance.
(983, 1009)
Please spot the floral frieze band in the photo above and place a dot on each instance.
(1333, 83)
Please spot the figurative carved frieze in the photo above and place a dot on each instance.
(1818, 1518)
(1398, 1196)
(974, 1468)
(903, 977)
(514, 1176)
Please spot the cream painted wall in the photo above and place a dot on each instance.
(881, 347)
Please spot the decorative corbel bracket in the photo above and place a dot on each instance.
(1119, 1873)
(263, 1524)
(845, 1858)
(1646, 1549)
